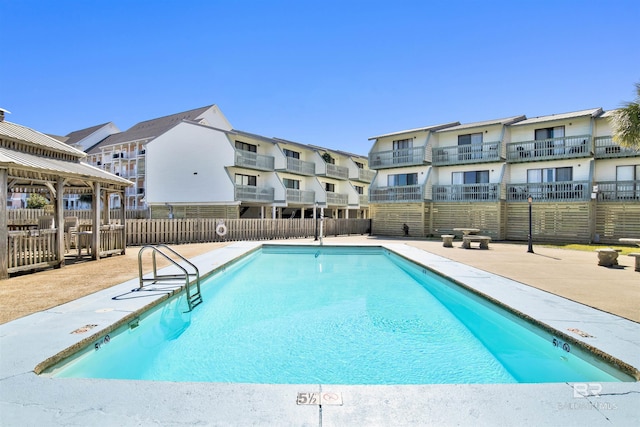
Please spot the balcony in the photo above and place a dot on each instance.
(619, 190)
(301, 196)
(363, 200)
(337, 199)
(465, 154)
(251, 160)
(397, 158)
(404, 193)
(338, 172)
(466, 193)
(251, 193)
(300, 167)
(364, 175)
(606, 148)
(566, 147)
(561, 191)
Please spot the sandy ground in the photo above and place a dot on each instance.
(568, 273)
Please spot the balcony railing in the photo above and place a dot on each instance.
(397, 158)
(404, 193)
(466, 193)
(365, 175)
(337, 199)
(251, 160)
(251, 193)
(300, 167)
(363, 200)
(468, 153)
(551, 191)
(339, 172)
(606, 148)
(300, 196)
(619, 190)
(566, 147)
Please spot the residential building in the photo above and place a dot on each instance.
(584, 186)
(194, 164)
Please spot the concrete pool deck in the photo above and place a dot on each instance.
(29, 399)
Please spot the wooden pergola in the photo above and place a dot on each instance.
(31, 162)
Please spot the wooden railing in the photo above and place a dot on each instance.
(565, 147)
(29, 250)
(606, 148)
(467, 153)
(399, 193)
(397, 158)
(466, 193)
(555, 191)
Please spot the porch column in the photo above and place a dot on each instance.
(123, 221)
(4, 230)
(95, 213)
(273, 212)
(59, 215)
(346, 213)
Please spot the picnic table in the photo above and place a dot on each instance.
(466, 231)
(629, 240)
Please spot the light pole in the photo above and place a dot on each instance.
(530, 250)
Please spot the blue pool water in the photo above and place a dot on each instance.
(287, 315)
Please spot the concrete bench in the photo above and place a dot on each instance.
(607, 257)
(447, 240)
(637, 257)
(483, 240)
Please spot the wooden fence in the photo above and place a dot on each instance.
(177, 231)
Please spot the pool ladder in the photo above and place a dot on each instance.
(194, 297)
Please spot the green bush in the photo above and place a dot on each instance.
(36, 201)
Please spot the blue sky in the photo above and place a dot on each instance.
(328, 73)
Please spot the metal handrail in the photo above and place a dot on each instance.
(192, 300)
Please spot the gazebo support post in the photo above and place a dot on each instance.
(59, 218)
(4, 230)
(95, 212)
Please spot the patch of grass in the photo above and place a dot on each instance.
(624, 250)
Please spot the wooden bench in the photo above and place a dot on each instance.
(636, 255)
(447, 240)
(483, 240)
(607, 257)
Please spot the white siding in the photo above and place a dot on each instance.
(187, 165)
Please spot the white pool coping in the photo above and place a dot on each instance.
(30, 399)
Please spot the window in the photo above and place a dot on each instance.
(359, 189)
(470, 177)
(246, 180)
(549, 145)
(550, 175)
(246, 147)
(402, 179)
(331, 188)
(402, 150)
(291, 183)
(627, 185)
(359, 165)
(293, 154)
(470, 146)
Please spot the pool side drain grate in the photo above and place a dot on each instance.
(324, 398)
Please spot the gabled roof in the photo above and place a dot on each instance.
(150, 129)
(79, 135)
(41, 164)
(425, 129)
(593, 112)
(505, 121)
(35, 138)
(250, 135)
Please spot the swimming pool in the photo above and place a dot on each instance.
(335, 315)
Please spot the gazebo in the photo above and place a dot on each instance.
(31, 162)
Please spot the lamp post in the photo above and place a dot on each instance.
(530, 250)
